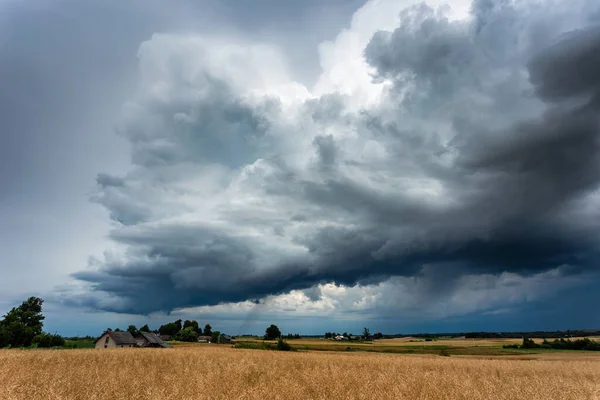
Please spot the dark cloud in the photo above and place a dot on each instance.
(480, 158)
(569, 68)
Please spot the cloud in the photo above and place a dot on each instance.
(454, 152)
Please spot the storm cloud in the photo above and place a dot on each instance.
(476, 153)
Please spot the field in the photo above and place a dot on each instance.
(222, 372)
(449, 346)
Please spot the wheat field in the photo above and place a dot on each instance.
(219, 372)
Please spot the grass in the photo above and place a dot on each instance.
(79, 344)
(223, 372)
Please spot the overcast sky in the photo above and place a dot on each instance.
(323, 165)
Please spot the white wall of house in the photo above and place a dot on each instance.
(106, 342)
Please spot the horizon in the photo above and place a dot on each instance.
(319, 165)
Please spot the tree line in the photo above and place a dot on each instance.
(557, 344)
(183, 331)
(537, 334)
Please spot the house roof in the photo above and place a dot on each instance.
(204, 337)
(154, 339)
(120, 338)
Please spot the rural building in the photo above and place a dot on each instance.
(111, 339)
(165, 338)
(223, 339)
(204, 339)
(149, 339)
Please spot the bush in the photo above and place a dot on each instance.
(529, 344)
(510, 346)
(57, 340)
(43, 340)
(282, 345)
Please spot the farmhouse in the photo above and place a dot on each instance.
(204, 339)
(223, 338)
(111, 339)
(149, 339)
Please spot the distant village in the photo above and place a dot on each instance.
(190, 331)
(186, 331)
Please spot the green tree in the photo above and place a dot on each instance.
(133, 330)
(272, 332)
(215, 336)
(187, 335)
(21, 324)
(145, 328)
(529, 344)
(192, 324)
(207, 330)
(366, 333)
(170, 329)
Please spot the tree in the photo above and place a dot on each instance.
(215, 337)
(145, 328)
(192, 324)
(366, 333)
(187, 335)
(207, 330)
(21, 324)
(179, 326)
(272, 332)
(529, 344)
(133, 330)
(170, 329)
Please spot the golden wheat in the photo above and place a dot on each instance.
(217, 372)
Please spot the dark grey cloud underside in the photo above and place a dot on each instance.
(518, 186)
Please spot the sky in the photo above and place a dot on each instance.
(322, 165)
